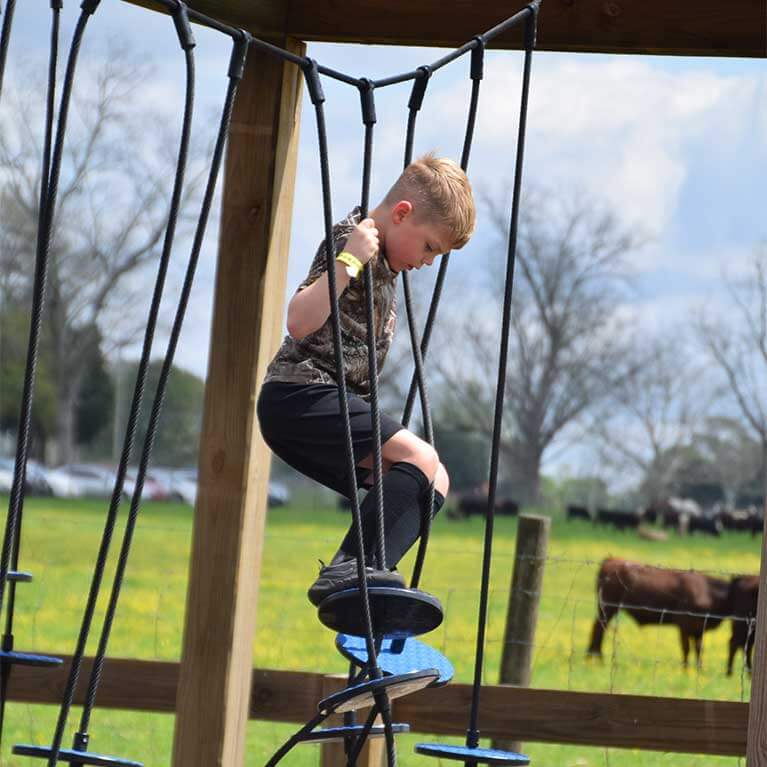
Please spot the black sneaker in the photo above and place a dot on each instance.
(343, 575)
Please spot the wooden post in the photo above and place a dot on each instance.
(332, 754)
(215, 676)
(756, 750)
(522, 615)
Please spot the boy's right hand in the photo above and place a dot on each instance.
(363, 241)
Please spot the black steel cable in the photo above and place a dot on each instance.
(414, 106)
(187, 43)
(369, 120)
(472, 736)
(38, 299)
(477, 55)
(8, 640)
(314, 87)
(5, 37)
(238, 60)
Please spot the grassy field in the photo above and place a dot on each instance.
(61, 537)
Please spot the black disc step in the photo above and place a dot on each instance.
(467, 754)
(363, 694)
(397, 656)
(328, 734)
(28, 659)
(395, 612)
(16, 576)
(74, 757)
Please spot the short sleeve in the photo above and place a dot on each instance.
(320, 262)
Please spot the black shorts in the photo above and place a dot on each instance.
(302, 424)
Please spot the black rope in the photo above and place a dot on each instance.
(472, 736)
(369, 120)
(5, 37)
(239, 54)
(314, 86)
(38, 299)
(32, 351)
(187, 43)
(414, 106)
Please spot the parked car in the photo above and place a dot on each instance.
(79, 480)
(36, 483)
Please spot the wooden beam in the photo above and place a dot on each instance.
(545, 716)
(682, 27)
(227, 544)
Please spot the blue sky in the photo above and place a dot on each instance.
(677, 147)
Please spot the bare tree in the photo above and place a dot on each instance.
(733, 458)
(650, 417)
(109, 221)
(737, 345)
(568, 341)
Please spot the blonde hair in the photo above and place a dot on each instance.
(440, 192)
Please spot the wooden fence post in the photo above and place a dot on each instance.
(522, 615)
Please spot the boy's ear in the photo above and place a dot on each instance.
(402, 210)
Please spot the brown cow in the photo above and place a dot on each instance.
(744, 591)
(653, 595)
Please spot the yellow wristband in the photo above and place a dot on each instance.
(353, 264)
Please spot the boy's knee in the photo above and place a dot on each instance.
(442, 481)
(427, 460)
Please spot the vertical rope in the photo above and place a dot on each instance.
(238, 59)
(182, 25)
(314, 87)
(472, 736)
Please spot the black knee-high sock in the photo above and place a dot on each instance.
(405, 494)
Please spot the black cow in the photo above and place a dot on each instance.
(622, 520)
(577, 512)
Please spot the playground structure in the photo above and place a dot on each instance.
(213, 675)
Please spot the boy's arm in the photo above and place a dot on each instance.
(309, 309)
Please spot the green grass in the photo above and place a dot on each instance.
(60, 541)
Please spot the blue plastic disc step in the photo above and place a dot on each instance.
(363, 694)
(16, 576)
(75, 757)
(28, 659)
(397, 656)
(466, 754)
(395, 612)
(328, 734)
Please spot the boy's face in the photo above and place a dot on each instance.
(411, 245)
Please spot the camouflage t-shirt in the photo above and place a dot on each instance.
(312, 359)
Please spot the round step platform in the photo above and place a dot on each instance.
(363, 694)
(28, 659)
(328, 734)
(74, 757)
(395, 612)
(397, 656)
(17, 576)
(466, 754)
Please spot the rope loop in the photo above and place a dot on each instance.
(183, 26)
(419, 88)
(239, 55)
(478, 58)
(367, 101)
(89, 6)
(313, 83)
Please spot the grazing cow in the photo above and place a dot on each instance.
(622, 520)
(476, 503)
(653, 595)
(577, 512)
(744, 591)
(679, 512)
(709, 525)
